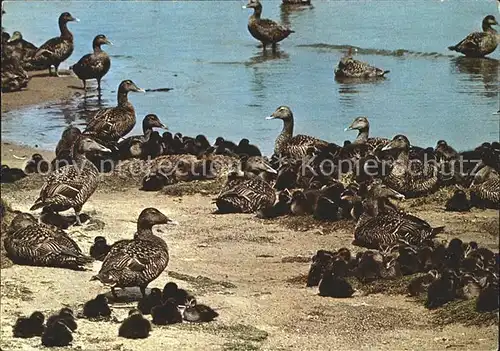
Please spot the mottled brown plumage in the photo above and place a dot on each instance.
(22, 49)
(94, 65)
(363, 126)
(139, 261)
(71, 186)
(485, 189)
(110, 124)
(348, 67)
(265, 30)
(479, 44)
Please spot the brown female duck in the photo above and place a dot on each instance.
(110, 124)
(479, 44)
(21, 48)
(363, 126)
(348, 67)
(485, 189)
(292, 146)
(58, 49)
(139, 261)
(264, 30)
(72, 185)
(94, 65)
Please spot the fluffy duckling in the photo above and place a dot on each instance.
(30, 326)
(444, 151)
(280, 208)
(37, 164)
(479, 44)
(135, 326)
(97, 307)
(181, 296)
(11, 175)
(245, 148)
(300, 206)
(167, 313)
(488, 297)
(420, 284)
(154, 182)
(61, 222)
(469, 287)
(441, 290)
(199, 313)
(57, 334)
(100, 248)
(333, 283)
(458, 202)
(320, 262)
(148, 302)
(225, 147)
(66, 316)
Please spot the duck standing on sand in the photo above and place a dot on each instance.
(479, 44)
(58, 49)
(351, 68)
(265, 30)
(110, 124)
(95, 65)
(72, 185)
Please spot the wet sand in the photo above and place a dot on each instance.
(245, 268)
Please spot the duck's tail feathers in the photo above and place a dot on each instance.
(385, 72)
(452, 48)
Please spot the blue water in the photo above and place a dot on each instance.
(224, 85)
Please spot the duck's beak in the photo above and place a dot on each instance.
(75, 19)
(348, 128)
(244, 7)
(109, 42)
(387, 147)
(162, 126)
(270, 169)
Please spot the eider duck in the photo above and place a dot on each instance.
(245, 148)
(479, 44)
(58, 334)
(97, 307)
(95, 65)
(137, 146)
(458, 202)
(100, 248)
(382, 225)
(56, 50)
(36, 244)
(139, 261)
(37, 164)
(147, 303)
(292, 146)
(135, 326)
(199, 313)
(28, 327)
(363, 126)
(66, 316)
(485, 188)
(265, 30)
(167, 313)
(419, 180)
(110, 124)
(72, 185)
(348, 67)
(65, 146)
(23, 49)
(11, 175)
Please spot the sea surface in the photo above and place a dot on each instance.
(224, 85)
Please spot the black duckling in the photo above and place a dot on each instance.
(148, 302)
(138, 145)
(485, 189)
(28, 327)
(469, 287)
(139, 261)
(411, 179)
(266, 31)
(348, 67)
(320, 263)
(153, 182)
(199, 313)
(135, 326)
(488, 297)
(181, 296)
(369, 266)
(280, 208)
(58, 221)
(57, 335)
(363, 126)
(56, 50)
(444, 151)
(327, 209)
(225, 147)
(65, 146)
(292, 146)
(479, 44)
(95, 65)
(66, 316)
(23, 49)
(408, 259)
(202, 142)
(300, 206)
(334, 286)
(36, 244)
(100, 248)
(11, 175)
(420, 284)
(97, 307)
(458, 202)
(37, 164)
(442, 290)
(245, 148)
(72, 185)
(111, 124)
(167, 313)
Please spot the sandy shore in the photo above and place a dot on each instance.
(250, 270)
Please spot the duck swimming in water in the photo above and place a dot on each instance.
(264, 30)
(110, 124)
(139, 261)
(58, 49)
(348, 67)
(71, 186)
(94, 65)
(479, 44)
(292, 146)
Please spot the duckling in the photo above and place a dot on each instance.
(280, 208)
(153, 182)
(56, 50)
(100, 248)
(479, 44)
(57, 334)
(469, 287)
(199, 313)
(320, 263)
(97, 307)
(62, 222)
(264, 30)
(333, 283)
(300, 206)
(167, 313)
(66, 316)
(94, 65)
(29, 327)
(408, 259)
(11, 175)
(441, 290)
(148, 302)
(445, 152)
(36, 164)
(245, 148)
(488, 297)
(135, 326)
(327, 209)
(351, 68)
(225, 147)
(420, 284)
(458, 202)
(141, 146)
(201, 144)
(369, 266)
(181, 296)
